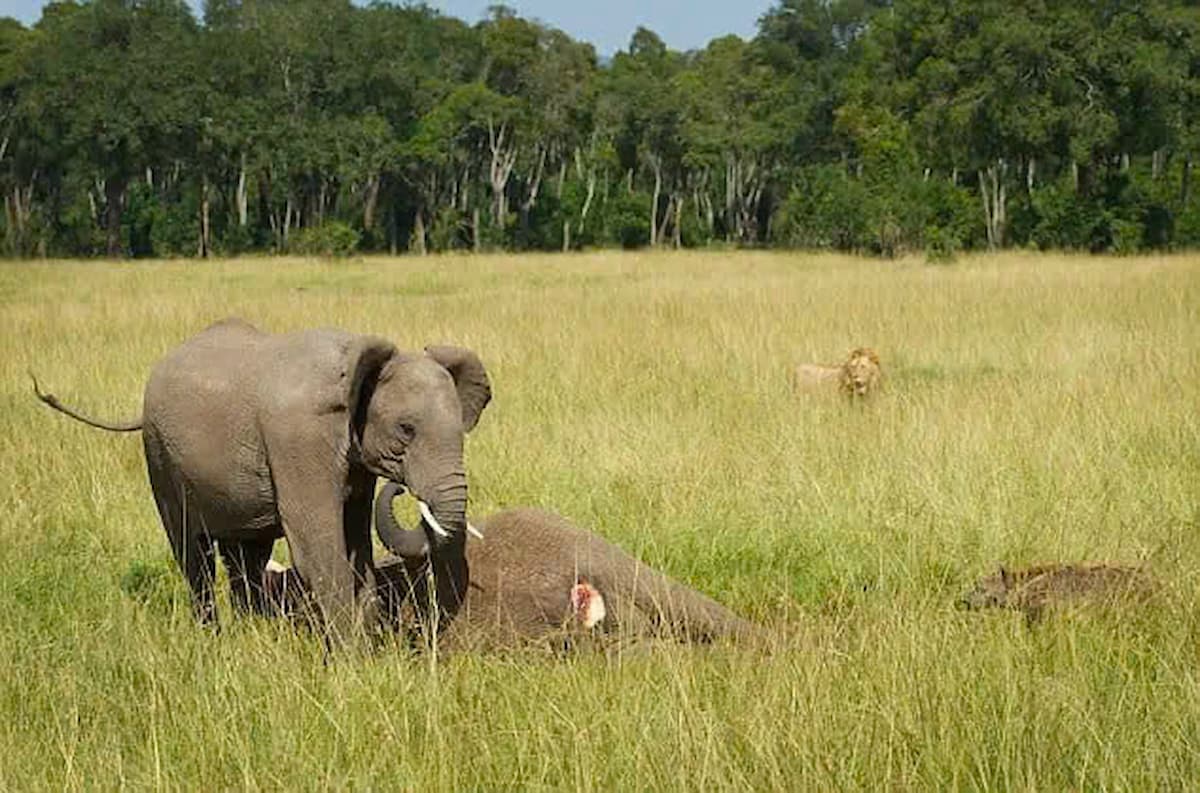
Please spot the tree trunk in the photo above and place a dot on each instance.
(654, 205)
(242, 203)
(203, 247)
(1185, 182)
(114, 200)
(369, 202)
(587, 201)
(503, 159)
(534, 186)
(666, 220)
(418, 234)
(287, 220)
(993, 192)
(732, 229)
(677, 235)
(476, 244)
(566, 235)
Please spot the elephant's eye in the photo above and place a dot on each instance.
(406, 430)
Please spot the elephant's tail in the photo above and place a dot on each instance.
(52, 401)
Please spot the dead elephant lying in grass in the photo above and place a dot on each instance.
(1033, 590)
(536, 577)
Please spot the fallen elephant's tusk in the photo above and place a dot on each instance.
(474, 531)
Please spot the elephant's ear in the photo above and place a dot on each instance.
(364, 363)
(470, 378)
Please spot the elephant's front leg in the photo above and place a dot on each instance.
(356, 522)
(311, 489)
(313, 527)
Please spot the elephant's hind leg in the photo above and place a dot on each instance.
(246, 560)
(190, 542)
(195, 555)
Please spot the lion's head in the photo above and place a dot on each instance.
(861, 374)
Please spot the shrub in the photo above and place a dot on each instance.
(826, 209)
(941, 246)
(333, 238)
(627, 219)
(1187, 225)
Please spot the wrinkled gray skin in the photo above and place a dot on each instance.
(251, 436)
(526, 566)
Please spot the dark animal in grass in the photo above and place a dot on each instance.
(1034, 589)
(252, 436)
(535, 576)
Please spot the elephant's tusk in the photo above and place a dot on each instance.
(476, 532)
(427, 514)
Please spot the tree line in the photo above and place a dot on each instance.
(131, 128)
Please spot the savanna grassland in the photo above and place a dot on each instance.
(1037, 408)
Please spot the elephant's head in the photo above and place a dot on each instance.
(410, 416)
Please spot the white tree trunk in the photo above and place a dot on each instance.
(419, 233)
(504, 157)
(204, 241)
(654, 203)
(242, 201)
(370, 200)
(995, 200)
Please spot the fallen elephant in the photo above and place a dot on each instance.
(536, 576)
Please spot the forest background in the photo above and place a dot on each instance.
(132, 128)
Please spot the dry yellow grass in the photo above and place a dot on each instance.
(1038, 408)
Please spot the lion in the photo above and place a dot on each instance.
(859, 376)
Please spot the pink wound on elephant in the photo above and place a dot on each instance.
(587, 604)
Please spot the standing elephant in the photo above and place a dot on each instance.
(251, 436)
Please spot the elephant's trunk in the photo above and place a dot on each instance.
(443, 502)
(405, 544)
(446, 498)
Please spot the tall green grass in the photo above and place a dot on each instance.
(1037, 408)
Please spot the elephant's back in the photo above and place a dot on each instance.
(202, 375)
(199, 422)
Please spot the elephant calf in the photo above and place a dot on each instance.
(537, 576)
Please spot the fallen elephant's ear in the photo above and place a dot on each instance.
(587, 604)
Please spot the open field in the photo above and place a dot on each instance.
(1037, 408)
